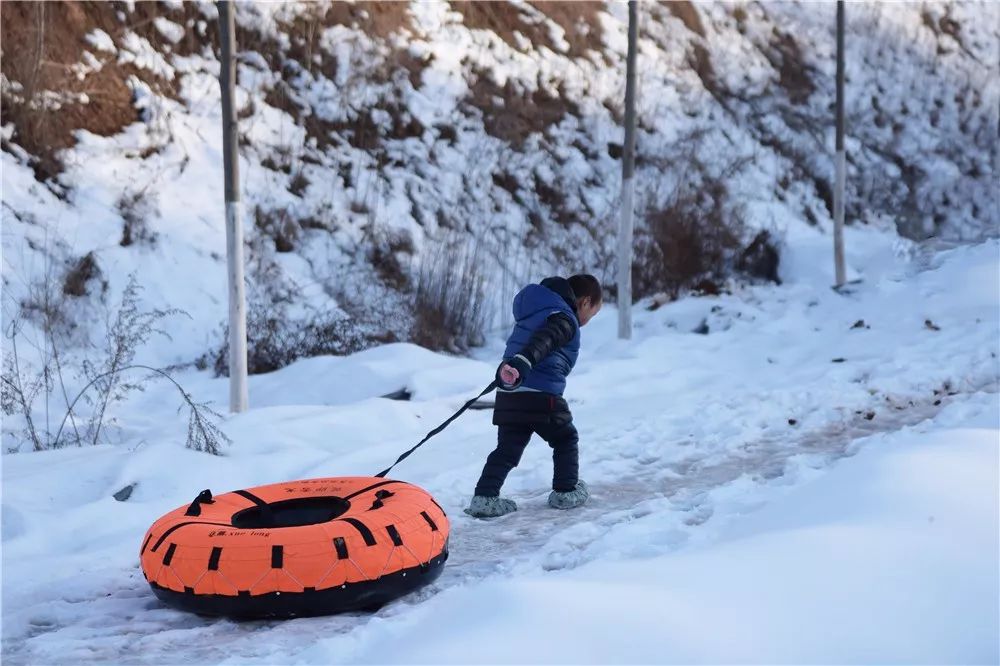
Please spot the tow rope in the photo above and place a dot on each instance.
(441, 427)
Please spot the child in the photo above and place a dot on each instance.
(541, 351)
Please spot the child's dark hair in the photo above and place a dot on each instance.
(585, 285)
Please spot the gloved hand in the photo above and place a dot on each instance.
(511, 372)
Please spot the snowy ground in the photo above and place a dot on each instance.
(716, 531)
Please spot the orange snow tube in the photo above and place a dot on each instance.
(300, 548)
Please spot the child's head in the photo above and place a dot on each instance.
(589, 296)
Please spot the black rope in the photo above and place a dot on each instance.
(441, 427)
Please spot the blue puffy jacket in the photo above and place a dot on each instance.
(532, 308)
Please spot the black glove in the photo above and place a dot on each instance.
(520, 364)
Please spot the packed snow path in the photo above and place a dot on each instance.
(678, 429)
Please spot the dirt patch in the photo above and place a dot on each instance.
(578, 19)
(508, 181)
(379, 19)
(700, 60)
(43, 46)
(554, 199)
(383, 118)
(80, 274)
(366, 129)
(376, 19)
(688, 15)
(785, 56)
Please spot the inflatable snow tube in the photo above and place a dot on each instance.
(300, 548)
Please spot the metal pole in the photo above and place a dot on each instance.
(628, 184)
(840, 165)
(238, 395)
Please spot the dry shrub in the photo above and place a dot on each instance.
(450, 312)
(278, 225)
(390, 255)
(136, 207)
(275, 340)
(690, 240)
(80, 274)
(697, 236)
(35, 388)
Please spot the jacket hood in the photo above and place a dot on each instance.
(561, 287)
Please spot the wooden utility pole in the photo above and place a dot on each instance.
(840, 165)
(238, 394)
(628, 184)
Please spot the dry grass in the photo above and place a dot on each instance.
(449, 309)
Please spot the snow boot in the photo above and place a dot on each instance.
(571, 499)
(490, 507)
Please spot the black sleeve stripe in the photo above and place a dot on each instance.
(557, 331)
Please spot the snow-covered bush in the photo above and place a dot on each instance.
(276, 339)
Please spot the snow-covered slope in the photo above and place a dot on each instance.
(682, 435)
(380, 141)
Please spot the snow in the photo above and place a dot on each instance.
(171, 31)
(890, 557)
(101, 41)
(752, 500)
(139, 52)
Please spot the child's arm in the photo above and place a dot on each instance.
(557, 331)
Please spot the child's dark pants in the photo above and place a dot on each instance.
(518, 416)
